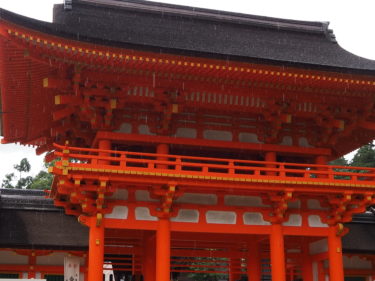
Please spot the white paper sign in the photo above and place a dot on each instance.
(71, 269)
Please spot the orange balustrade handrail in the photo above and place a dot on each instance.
(209, 165)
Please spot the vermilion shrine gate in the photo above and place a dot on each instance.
(187, 135)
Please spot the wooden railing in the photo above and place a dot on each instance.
(205, 166)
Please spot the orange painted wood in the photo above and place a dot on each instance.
(277, 253)
(336, 266)
(163, 250)
(254, 262)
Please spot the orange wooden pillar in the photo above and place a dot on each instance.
(307, 265)
(96, 252)
(148, 268)
(96, 233)
(163, 234)
(335, 263)
(254, 261)
(32, 262)
(321, 160)
(277, 252)
(270, 156)
(163, 250)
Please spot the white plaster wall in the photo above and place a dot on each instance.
(248, 137)
(294, 220)
(119, 194)
(55, 259)
(221, 217)
(354, 262)
(252, 218)
(52, 259)
(287, 140)
(315, 221)
(118, 212)
(10, 257)
(314, 204)
(251, 201)
(125, 128)
(144, 195)
(144, 130)
(320, 246)
(294, 204)
(186, 133)
(198, 198)
(217, 135)
(304, 142)
(186, 215)
(143, 213)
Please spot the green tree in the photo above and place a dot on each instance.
(7, 182)
(42, 180)
(23, 167)
(365, 157)
(339, 162)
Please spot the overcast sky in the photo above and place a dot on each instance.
(353, 23)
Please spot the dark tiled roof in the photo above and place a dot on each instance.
(166, 28)
(29, 220)
(360, 238)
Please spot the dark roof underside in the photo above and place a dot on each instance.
(166, 28)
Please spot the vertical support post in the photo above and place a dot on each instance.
(149, 258)
(277, 252)
(162, 149)
(270, 156)
(307, 265)
(254, 261)
(105, 145)
(163, 233)
(32, 261)
(96, 252)
(321, 160)
(96, 233)
(163, 250)
(336, 267)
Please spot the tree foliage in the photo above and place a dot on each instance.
(365, 157)
(42, 180)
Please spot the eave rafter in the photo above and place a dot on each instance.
(83, 53)
(193, 80)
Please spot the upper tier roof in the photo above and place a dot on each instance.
(192, 31)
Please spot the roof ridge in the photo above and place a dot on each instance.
(315, 27)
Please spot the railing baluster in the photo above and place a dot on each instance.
(330, 173)
(282, 170)
(178, 164)
(123, 160)
(231, 168)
